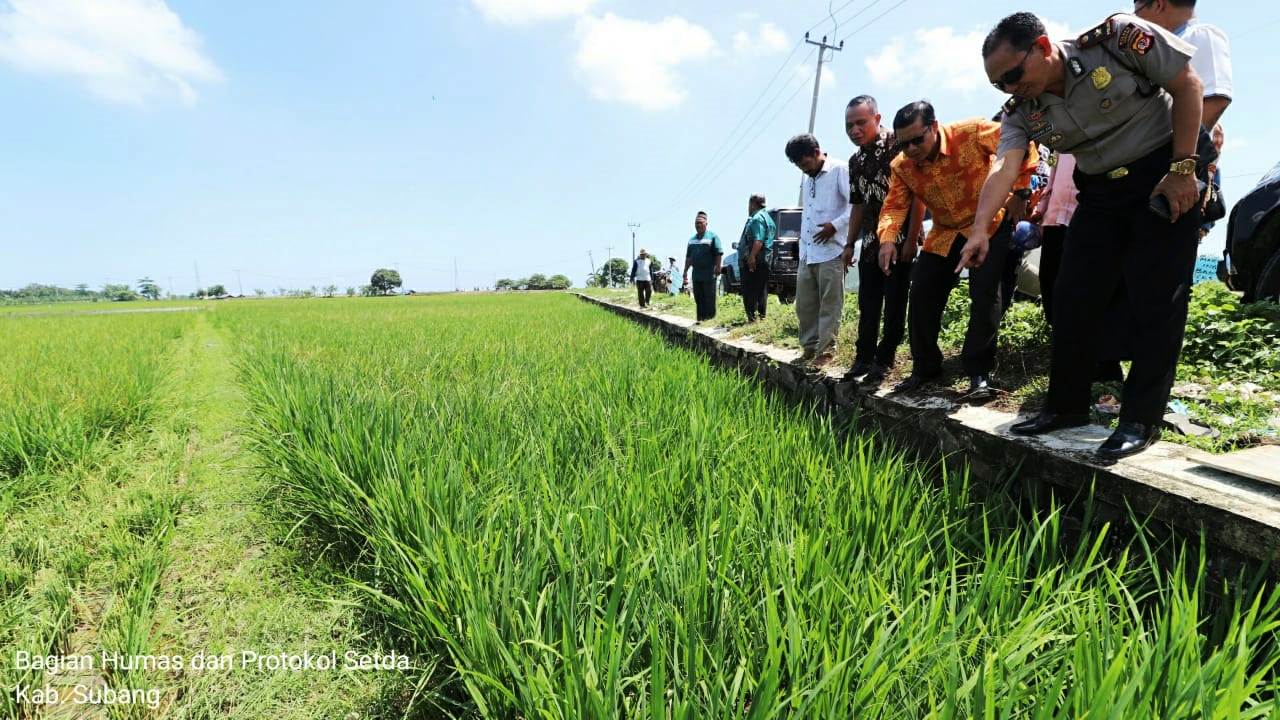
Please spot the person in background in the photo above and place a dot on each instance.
(945, 166)
(673, 272)
(824, 230)
(703, 255)
(1212, 59)
(1213, 193)
(641, 276)
(869, 184)
(1054, 212)
(755, 255)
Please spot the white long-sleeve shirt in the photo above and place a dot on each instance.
(825, 199)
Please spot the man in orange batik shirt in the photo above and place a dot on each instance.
(945, 166)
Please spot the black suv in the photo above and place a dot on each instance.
(786, 258)
(1252, 255)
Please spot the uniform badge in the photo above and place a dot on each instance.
(1052, 160)
(1142, 42)
(1036, 115)
(1105, 104)
(1054, 139)
(1101, 78)
(1077, 67)
(1126, 35)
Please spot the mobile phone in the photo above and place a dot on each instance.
(1159, 204)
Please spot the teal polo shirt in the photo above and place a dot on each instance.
(702, 253)
(760, 227)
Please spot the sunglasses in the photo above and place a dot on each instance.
(917, 140)
(1011, 77)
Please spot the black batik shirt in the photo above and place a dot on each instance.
(869, 180)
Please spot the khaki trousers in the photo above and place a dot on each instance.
(819, 302)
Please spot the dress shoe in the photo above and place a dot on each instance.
(823, 359)
(1129, 438)
(859, 369)
(875, 376)
(1048, 422)
(911, 384)
(980, 388)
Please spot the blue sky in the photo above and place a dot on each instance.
(308, 143)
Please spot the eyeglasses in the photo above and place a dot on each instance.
(1011, 77)
(1140, 6)
(917, 140)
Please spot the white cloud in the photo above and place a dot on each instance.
(515, 12)
(767, 40)
(828, 75)
(635, 62)
(938, 58)
(125, 50)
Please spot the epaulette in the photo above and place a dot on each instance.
(1012, 104)
(1103, 31)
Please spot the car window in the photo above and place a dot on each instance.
(788, 224)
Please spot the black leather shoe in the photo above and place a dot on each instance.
(875, 375)
(911, 384)
(859, 368)
(980, 388)
(1048, 422)
(1129, 438)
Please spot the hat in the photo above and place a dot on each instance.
(643, 251)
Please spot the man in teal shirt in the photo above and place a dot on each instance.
(755, 256)
(703, 255)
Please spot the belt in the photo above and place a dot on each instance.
(1118, 173)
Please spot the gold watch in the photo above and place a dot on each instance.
(1183, 167)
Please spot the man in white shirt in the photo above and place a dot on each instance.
(1212, 61)
(824, 227)
(642, 278)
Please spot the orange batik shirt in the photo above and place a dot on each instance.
(949, 185)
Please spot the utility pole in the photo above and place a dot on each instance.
(591, 258)
(823, 47)
(607, 258)
(239, 284)
(455, 275)
(171, 285)
(634, 226)
(196, 265)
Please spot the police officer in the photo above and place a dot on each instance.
(1123, 99)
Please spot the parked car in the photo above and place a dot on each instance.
(1251, 259)
(786, 258)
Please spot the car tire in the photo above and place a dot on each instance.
(1268, 287)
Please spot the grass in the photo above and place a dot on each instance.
(582, 521)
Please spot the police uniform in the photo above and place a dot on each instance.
(1115, 119)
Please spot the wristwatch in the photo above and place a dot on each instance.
(1186, 166)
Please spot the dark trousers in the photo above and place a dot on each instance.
(932, 280)
(877, 291)
(704, 296)
(1009, 277)
(644, 289)
(1052, 239)
(1114, 240)
(755, 291)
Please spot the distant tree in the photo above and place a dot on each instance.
(215, 291)
(505, 284)
(522, 284)
(385, 281)
(351, 292)
(330, 290)
(259, 292)
(148, 288)
(616, 272)
(537, 281)
(559, 282)
(82, 289)
(368, 290)
(118, 293)
(595, 279)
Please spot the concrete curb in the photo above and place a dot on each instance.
(1240, 518)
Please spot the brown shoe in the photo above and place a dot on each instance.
(823, 360)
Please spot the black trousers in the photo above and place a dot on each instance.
(1009, 277)
(932, 281)
(644, 289)
(1114, 241)
(1052, 239)
(704, 296)
(877, 291)
(755, 290)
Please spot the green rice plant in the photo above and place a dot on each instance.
(586, 522)
(70, 382)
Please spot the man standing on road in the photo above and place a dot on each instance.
(1123, 99)
(755, 254)
(824, 229)
(945, 165)
(642, 278)
(703, 255)
(869, 184)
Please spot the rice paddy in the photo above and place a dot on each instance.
(554, 514)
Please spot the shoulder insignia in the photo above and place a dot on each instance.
(1076, 67)
(1012, 104)
(1141, 42)
(1097, 34)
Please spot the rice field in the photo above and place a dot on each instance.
(553, 514)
